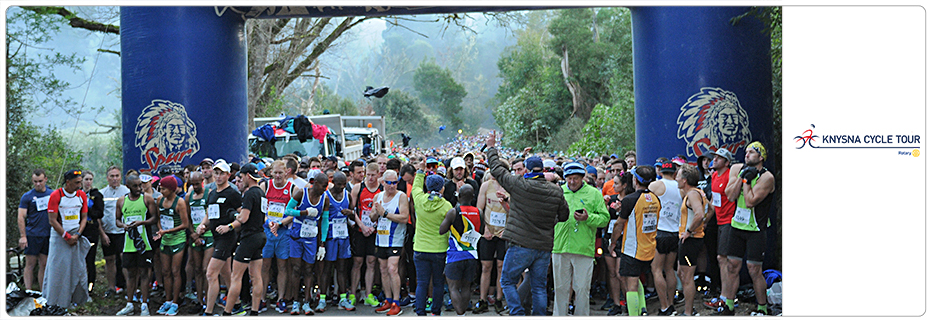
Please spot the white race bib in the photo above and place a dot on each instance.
(649, 222)
(497, 219)
(70, 218)
(127, 220)
(309, 228)
(611, 225)
(42, 203)
(167, 222)
(668, 211)
(198, 214)
(716, 199)
(340, 229)
(384, 226)
(264, 205)
(213, 211)
(742, 215)
(275, 212)
(366, 220)
(470, 237)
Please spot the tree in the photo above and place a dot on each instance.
(404, 114)
(437, 89)
(30, 84)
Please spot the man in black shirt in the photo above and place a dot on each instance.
(458, 176)
(222, 204)
(251, 238)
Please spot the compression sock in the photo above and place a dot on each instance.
(729, 303)
(642, 299)
(633, 304)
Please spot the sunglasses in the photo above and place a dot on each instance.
(391, 183)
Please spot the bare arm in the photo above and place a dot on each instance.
(696, 203)
(732, 191)
(403, 213)
(764, 186)
(448, 221)
(119, 213)
(21, 221)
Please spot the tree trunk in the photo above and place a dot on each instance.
(574, 89)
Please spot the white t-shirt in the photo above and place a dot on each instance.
(110, 195)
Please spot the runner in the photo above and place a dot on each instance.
(312, 208)
(34, 228)
(429, 246)
(337, 241)
(94, 227)
(113, 237)
(173, 220)
(251, 240)
(636, 244)
(574, 242)
(464, 226)
(390, 210)
(691, 231)
(623, 185)
(753, 189)
(277, 243)
(724, 211)
(223, 203)
(66, 282)
(363, 239)
(201, 245)
(491, 248)
(667, 237)
(134, 213)
(456, 178)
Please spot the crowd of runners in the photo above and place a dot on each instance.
(421, 228)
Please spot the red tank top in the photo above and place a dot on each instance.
(366, 198)
(472, 214)
(723, 208)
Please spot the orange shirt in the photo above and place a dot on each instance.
(608, 188)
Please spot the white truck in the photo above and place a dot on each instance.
(361, 130)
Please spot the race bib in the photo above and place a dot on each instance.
(167, 222)
(649, 222)
(611, 225)
(70, 218)
(470, 237)
(340, 229)
(275, 212)
(716, 199)
(366, 220)
(669, 211)
(130, 219)
(42, 203)
(198, 214)
(384, 226)
(213, 211)
(264, 205)
(497, 219)
(309, 228)
(742, 215)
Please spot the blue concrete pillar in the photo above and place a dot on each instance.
(700, 83)
(183, 86)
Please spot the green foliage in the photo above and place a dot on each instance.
(437, 89)
(404, 113)
(609, 130)
(275, 105)
(31, 84)
(326, 99)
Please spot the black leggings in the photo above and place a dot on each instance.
(93, 235)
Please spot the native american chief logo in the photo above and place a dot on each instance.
(165, 134)
(713, 119)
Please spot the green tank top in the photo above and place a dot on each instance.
(746, 218)
(135, 210)
(199, 213)
(169, 219)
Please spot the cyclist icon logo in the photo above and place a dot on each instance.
(806, 138)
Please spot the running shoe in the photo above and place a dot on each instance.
(371, 301)
(683, 314)
(263, 306)
(395, 310)
(346, 304)
(572, 309)
(109, 293)
(191, 295)
(127, 310)
(480, 307)
(385, 306)
(759, 312)
(679, 297)
(499, 307)
(407, 301)
(715, 303)
(650, 295)
(723, 311)
(616, 310)
(164, 308)
(308, 311)
(144, 310)
(295, 308)
(608, 305)
(281, 306)
(671, 311)
(429, 304)
(321, 306)
(172, 310)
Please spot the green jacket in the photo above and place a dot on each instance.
(567, 239)
(430, 214)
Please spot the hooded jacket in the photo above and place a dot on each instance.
(536, 206)
(430, 214)
(582, 242)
